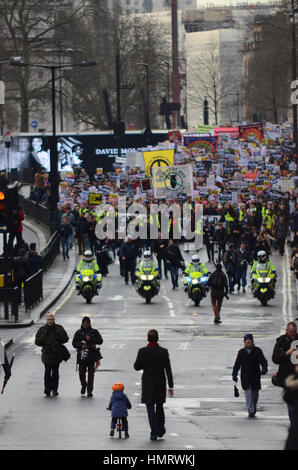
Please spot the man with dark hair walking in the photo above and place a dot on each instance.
(87, 340)
(219, 288)
(154, 361)
(249, 359)
(51, 336)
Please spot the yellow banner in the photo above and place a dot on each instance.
(157, 158)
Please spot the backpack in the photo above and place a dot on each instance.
(216, 281)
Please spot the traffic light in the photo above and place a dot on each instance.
(4, 216)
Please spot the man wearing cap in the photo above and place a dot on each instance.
(249, 359)
(85, 341)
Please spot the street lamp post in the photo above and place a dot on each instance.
(148, 125)
(185, 105)
(238, 104)
(293, 30)
(1, 105)
(54, 175)
(59, 52)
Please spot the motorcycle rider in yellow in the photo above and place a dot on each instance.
(195, 266)
(264, 264)
(147, 263)
(88, 263)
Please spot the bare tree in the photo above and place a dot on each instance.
(27, 28)
(102, 35)
(211, 77)
(268, 66)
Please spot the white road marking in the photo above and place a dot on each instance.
(183, 346)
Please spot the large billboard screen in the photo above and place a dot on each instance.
(89, 151)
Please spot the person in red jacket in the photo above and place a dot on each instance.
(18, 217)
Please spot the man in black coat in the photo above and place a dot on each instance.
(129, 254)
(154, 361)
(51, 336)
(85, 341)
(282, 356)
(249, 359)
(219, 288)
(175, 261)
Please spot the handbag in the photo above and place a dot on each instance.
(275, 380)
(65, 354)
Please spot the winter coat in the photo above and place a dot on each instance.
(50, 338)
(229, 261)
(250, 367)
(95, 339)
(281, 229)
(291, 398)
(22, 268)
(35, 262)
(173, 254)
(218, 292)
(65, 231)
(119, 403)
(129, 251)
(154, 361)
(286, 368)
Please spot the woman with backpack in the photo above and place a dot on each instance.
(219, 288)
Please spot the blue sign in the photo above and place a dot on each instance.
(34, 124)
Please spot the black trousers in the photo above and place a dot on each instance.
(83, 368)
(129, 267)
(156, 417)
(51, 377)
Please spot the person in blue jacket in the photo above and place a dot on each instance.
(119, 403)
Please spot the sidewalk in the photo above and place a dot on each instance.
(55, 282)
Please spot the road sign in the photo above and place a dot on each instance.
(34, 124)
(7, 136)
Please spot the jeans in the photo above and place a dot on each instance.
(291, 414)
(174, 270)
(240, 276)
(156, 417)
(65, 247)
(160, 261)
(51, 377)
(231, 278)
(251, 397)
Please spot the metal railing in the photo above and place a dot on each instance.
(33, 290)
(50, 252)
(33, 286)
(35, 211)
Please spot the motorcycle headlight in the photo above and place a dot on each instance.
(260, 279)
(195, 281)
(267, 279)
(204, 279)
(143, 277)
(150, 277)
(85, 278)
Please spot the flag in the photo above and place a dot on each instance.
(157, 158)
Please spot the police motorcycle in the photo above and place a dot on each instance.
(147, 277)
(88, 278)
(263, 278)
(195, 280)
